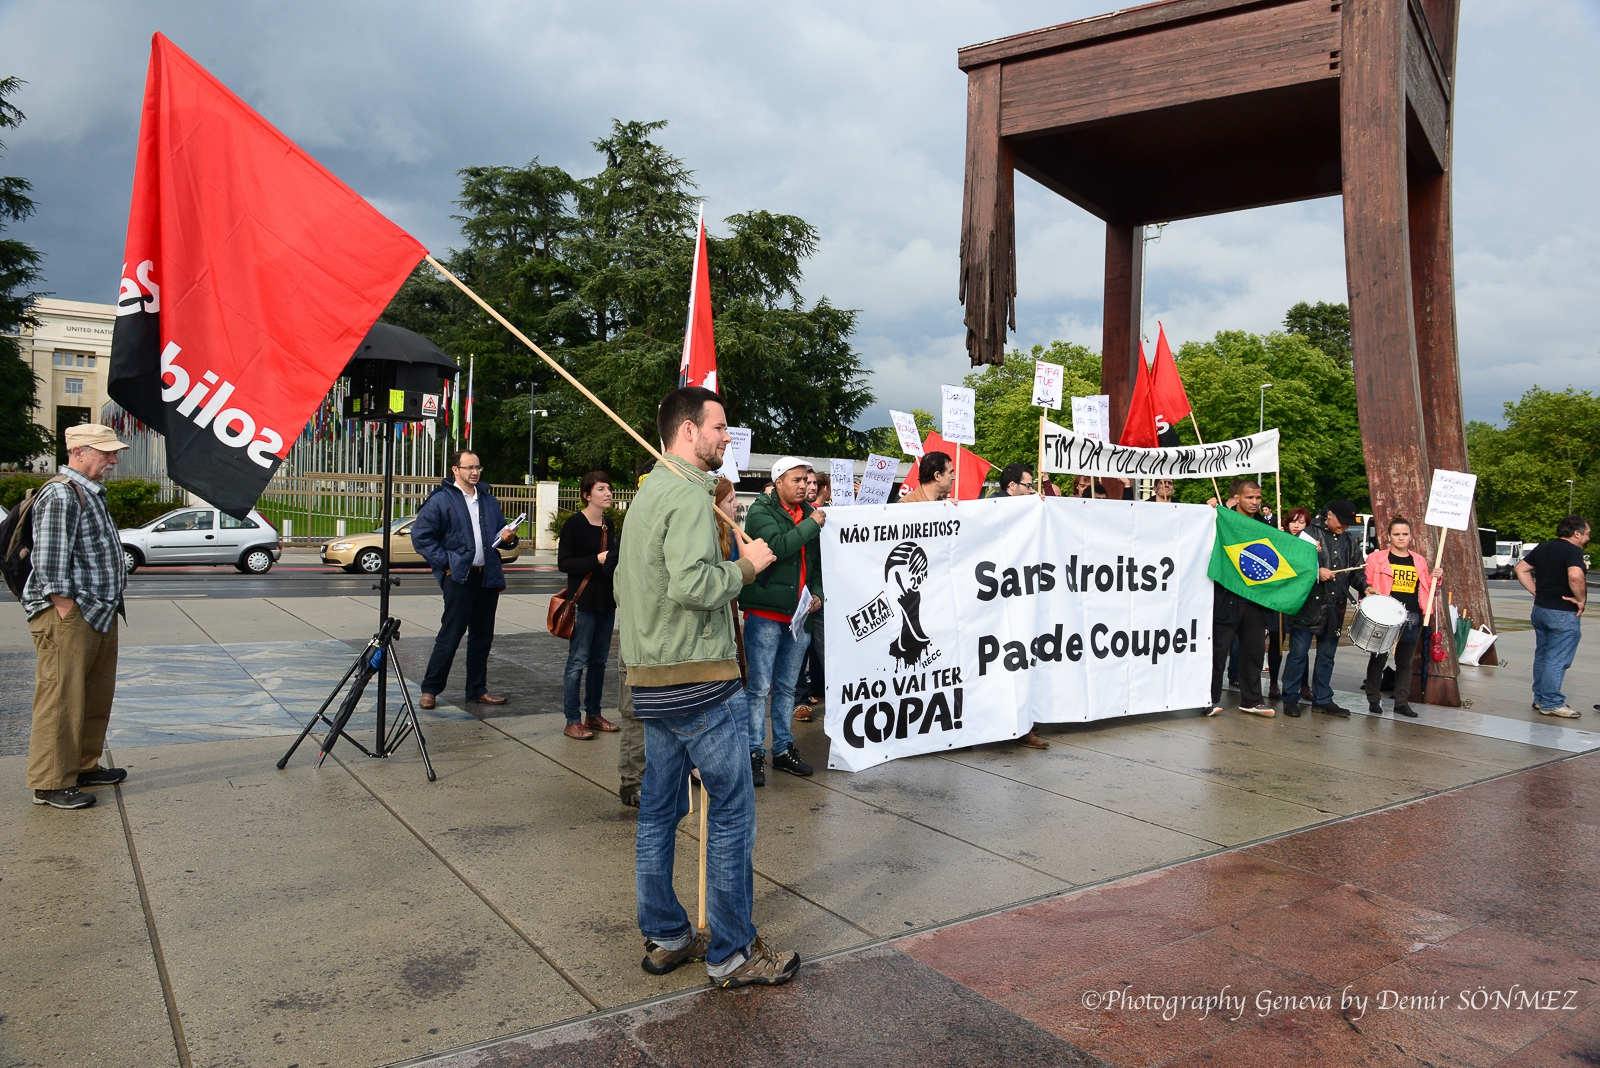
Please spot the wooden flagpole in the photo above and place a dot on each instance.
(1038, 476)
(1192, 422)
(1433, 579)
(703, 807)
(581, 388)
(958, 473)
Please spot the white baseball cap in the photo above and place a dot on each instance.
(786, 463)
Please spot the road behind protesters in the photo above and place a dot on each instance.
(1322, 615)
(673, 592)
(587, 554)
(789, 525)
(72, 599)
(1554, 572)
(457, 531)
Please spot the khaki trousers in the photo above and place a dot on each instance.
(630, 754)
(75, 678)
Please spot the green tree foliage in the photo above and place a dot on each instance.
(20, 438)
(1312, 402)
(1327, 326)
(596, 271)
(1523, 467)
(1008, 423)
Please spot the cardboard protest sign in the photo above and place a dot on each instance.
(959, 415)
(842, 479)
(877, 481)
(905, 427)
(736, 457)
(1047, 384)
(1450, 499)
(1091, 417)
(952, 627)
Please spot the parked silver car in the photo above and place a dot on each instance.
(199, 535)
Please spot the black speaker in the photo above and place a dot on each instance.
(385, 389)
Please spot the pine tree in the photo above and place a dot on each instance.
(20, 437)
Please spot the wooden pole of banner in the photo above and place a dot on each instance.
(1433, 579)
(703, 808)
(958, 473)
(1038, 475)
(1198, 440)
(579, 386)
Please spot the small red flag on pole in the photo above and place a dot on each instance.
(699, 364)
(1167, 397)
(1140, 428)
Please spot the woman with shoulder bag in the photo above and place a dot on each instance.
(587, 554)
(1402, 574)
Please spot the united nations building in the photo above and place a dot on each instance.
(70, 352)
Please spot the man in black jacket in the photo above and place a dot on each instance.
(1322, 616)
(456, 531)
(1234, 616)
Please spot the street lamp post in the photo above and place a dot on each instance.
(532, 411)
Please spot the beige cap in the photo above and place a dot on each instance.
(786, 463)
(95, 436)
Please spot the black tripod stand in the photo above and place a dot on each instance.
(378, 658)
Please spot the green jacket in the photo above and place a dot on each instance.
(673, 587)
(777, 589)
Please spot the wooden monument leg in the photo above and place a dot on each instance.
(1118, 358)
(1433, 286)
(1383, 335)
(988, 223)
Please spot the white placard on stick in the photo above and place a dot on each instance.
(1047, 384)
(1091, 417)
(842, 480)
(959, 415)
(905, 425)
(1450, 499)
(877, 481)
(736, 457)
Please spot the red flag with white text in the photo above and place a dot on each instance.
(250, 276)
(699, 364)
(1168, 401)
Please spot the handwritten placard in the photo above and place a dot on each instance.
(842, 478)
(1450, 499)
(1047, 384)
(1091, 417)
(877, 482)
(736, 457)
(905, 426)
(959, 415)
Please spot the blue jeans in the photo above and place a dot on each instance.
(773, 659)
(591, 645)
(1294, 669)
(713, 741)
(1555, 643)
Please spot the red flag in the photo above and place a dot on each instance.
(974, 468)
(1169, 403)
(250, 276)
(699, 365)
(1140, 428)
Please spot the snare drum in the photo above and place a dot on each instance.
(1378, 624)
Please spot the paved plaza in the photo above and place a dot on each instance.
(955, 909)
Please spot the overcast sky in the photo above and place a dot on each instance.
(849, 115)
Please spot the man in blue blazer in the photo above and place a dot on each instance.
(456, 531)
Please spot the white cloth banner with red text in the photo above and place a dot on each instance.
(951, 626)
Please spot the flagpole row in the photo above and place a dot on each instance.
(1199, 441)
(564, 373)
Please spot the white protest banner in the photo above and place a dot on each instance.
(736, 457)
(1069, 453)
(1047, 384)
(842, 479)
(1091, 417)
(1450, 499)
(958, 416)
(877, 481)
(950, 629)
(905, 426)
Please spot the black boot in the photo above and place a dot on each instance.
(758, 760)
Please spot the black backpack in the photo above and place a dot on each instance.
(16, 537)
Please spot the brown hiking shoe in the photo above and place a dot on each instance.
(658, 961)
(761, 966)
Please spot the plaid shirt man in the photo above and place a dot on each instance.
(76, 552)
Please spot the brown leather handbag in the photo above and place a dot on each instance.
(563, 611)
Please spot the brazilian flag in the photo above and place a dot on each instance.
(1260, 563)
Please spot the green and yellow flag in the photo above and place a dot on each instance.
(1274, 569)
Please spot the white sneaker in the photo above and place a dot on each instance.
(1564, 712)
